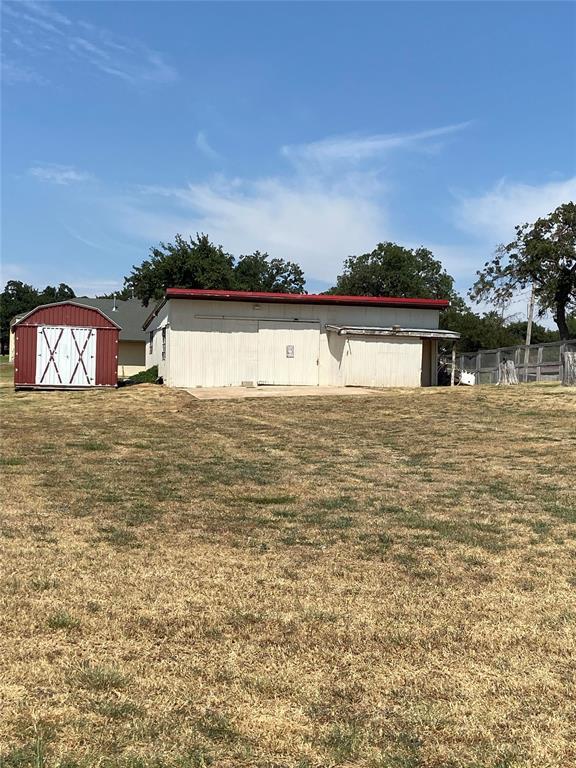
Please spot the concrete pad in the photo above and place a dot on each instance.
(241, 393)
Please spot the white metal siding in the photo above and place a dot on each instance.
(154, 354)
(374, 362)
(288, 353)
(218, 353)
(66, 356)
(215, 343)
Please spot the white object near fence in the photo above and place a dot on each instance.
(467, 379)
(569, 377)
(507, 373)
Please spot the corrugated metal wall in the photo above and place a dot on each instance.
(227, 352)
(218, 353)
(288, 353)
(214, 343)
(382, 362)
(154, 343)
(107, 357)
(25, 355)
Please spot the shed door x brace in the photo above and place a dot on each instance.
(66, 356)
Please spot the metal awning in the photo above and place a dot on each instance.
(393, 330)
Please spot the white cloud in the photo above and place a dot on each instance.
(204, 146)
(13, 271)
(46, 11)
(35, 28)
(14, 73)
(461, 260)
(355, 149)
(490, 219)
(313, 223)
(59, 174)
(492, 216)
(306, 215)
(92, 285)
(83, 239)
(313, 216)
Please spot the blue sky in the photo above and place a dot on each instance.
(309, 130)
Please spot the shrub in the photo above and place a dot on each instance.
(148, 376)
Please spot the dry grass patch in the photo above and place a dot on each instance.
(385, 582)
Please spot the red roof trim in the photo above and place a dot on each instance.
(304, 298)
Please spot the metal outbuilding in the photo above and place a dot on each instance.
(216, 338)
(65, 345)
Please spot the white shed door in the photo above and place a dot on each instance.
(288, 353)
(66, 356)
(383, 362)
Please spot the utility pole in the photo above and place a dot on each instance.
(529, 332)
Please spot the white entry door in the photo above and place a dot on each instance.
(288, 353)
(65, 356)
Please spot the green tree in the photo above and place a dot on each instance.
(50, 294)
(18, 297)
(258, 272)
(193, 263)
(539, 335)
(476, 331)
(198, 263)
(490, 330)
(543, 254)
(392, 270)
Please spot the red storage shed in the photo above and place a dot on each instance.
(65, 345)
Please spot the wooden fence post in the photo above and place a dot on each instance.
(569, 372)
(539, 363)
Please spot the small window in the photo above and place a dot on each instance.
(163, 343)
(151, 342)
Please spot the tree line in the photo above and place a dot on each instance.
(541, 257)
(18, 298)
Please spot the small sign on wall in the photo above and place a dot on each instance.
(289, 350)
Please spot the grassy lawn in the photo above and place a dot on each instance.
(385, 582)
(6, 370)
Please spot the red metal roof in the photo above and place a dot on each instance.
(304, 298)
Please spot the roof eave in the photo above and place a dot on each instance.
(154, 312)
(193, 294)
